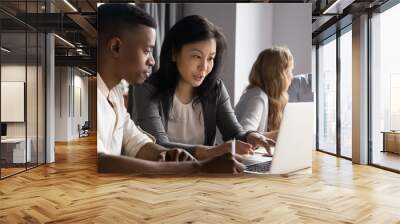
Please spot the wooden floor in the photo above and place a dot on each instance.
(70, 191)
(10, 171)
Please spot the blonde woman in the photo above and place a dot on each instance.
(261, 105)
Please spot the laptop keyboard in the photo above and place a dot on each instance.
(260, 167)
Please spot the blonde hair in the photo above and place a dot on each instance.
(269, 72)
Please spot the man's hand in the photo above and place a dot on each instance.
(226, 163)
(175, 154)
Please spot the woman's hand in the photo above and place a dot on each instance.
(206, 152)
(241, 148)
(256, 140)
(272, 135)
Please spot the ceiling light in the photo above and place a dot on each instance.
(331, 7)
(100, 3)
(5, 50)
(65, 41)
(84, 71)
(71, 6)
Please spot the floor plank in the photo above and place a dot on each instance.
(71, 191)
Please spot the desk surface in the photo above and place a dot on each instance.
(390, 132)
(13, 140)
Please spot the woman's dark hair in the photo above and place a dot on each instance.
(187, 30)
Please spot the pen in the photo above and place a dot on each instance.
(233, 147)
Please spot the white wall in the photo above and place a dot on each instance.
(252, 27)
(17, 73)
(14, 72)
(293, 28)
(82, 82)
(79, 117)
(260, 26)
(224, 16)
(12, 101)
(62, 80)
(69, 83)
(33, 126)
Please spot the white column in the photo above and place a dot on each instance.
(360, 90)
(50, 93)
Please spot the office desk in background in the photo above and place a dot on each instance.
(391, 141)
(13, 150)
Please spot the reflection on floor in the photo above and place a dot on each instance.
(386, 159)
(10, 169)
(346, 152)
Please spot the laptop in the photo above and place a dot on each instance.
(294, 145)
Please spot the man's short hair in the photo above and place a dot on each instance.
(114, 18)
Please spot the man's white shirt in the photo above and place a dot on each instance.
(117, 134)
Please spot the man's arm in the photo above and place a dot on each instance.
(226, 163)
(125, 164)
(154, 152)
(150, 151)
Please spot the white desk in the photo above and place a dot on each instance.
(16, 147)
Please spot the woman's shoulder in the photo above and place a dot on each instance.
(252, 92)
(217, 87)
(257, 92)
(252, 96)
(220, 90)
(219, 83)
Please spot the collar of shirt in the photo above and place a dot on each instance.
(102, 86)
(105, 91)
